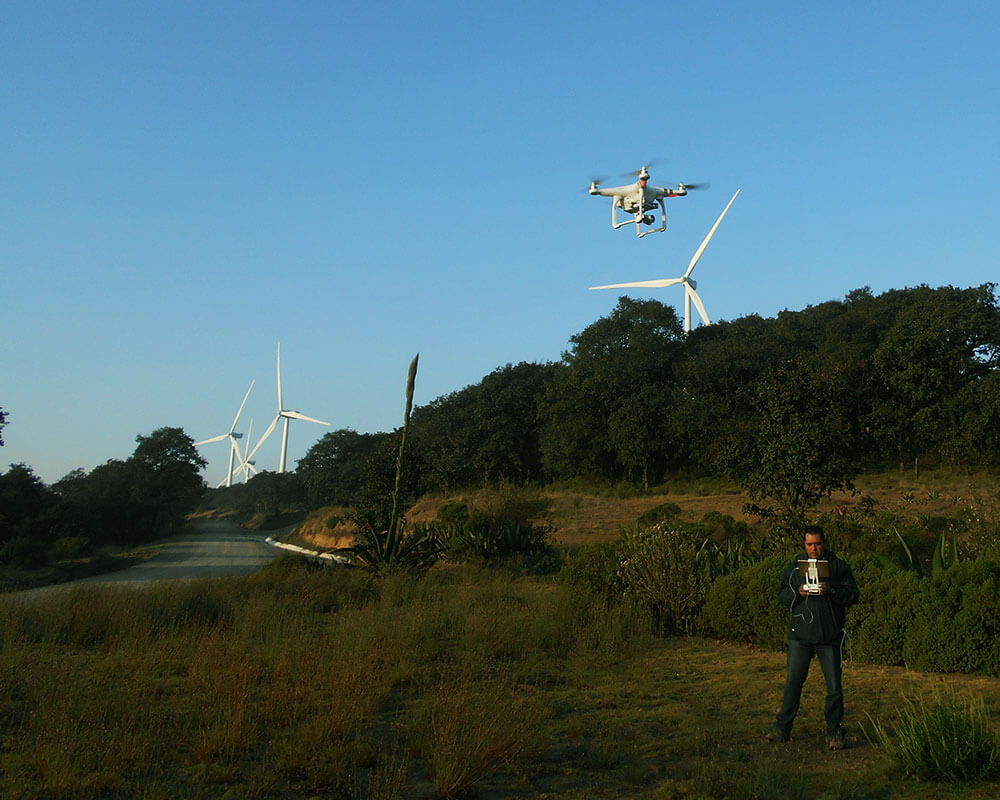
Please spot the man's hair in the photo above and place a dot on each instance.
(814, 530)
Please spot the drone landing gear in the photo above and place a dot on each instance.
(640, 219)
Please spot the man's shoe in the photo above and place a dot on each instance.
(775, 735)
(838, 740)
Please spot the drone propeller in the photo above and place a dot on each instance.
(695, 186)
(646, 166)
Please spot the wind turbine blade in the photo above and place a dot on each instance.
(297, 415)
(218, 438)
(711, 233)
(268, 432)
(246, 450)
(657, 284)
(237, 418)
(699, 305)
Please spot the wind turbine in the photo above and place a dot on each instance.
(287, 416)
(690, 285)
(246, 465)
(232, 436)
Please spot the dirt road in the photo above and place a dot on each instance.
(208, 549)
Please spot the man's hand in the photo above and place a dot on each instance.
(823, 589)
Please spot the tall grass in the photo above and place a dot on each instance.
(283, 679)
(302, 683)
(944, 739)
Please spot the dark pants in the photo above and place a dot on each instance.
(799, 655)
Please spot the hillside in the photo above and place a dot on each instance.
(579, 518)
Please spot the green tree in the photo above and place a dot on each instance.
(798, 450)
(943, 340)
(144, 497)
(606, 411)
(335, 469)
(167, 467)
(28, 508)
(3, 423)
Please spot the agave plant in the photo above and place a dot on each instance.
(381, 550)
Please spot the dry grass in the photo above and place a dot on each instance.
(300, 684)
(579, 518)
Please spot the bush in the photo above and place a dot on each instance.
(487, 539)
(744, 606)
(945, 740)
(70, 547)
(658, 567)
(658, 514)
(25, 552)
(877, 624)
(955, 625)
(948, 623)
(594, 568)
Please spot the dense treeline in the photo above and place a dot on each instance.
(144, 497)
(791, 406)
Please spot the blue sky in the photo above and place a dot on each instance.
(186, 184)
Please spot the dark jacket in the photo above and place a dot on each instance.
(818, 619)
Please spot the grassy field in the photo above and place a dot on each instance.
(486, 683)
(300, 683)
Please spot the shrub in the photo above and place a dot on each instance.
(23, 551)
(658, 567)
(489, 539)
(594, 568)
(658, 514)
(944, 740)
(70, 547)
(744, 607)
(955, 625)
(877, 625)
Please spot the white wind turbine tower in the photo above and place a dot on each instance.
(690, 285)
(287, 416)
(246, 466)
(233, 437)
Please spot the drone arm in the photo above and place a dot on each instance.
(661, 192)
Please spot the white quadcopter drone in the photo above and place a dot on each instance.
(638, 198)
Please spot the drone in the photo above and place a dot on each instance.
(638, 198)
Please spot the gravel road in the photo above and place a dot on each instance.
(208, 549)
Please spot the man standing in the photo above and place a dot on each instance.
(816, 627)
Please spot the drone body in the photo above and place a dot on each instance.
(639, 198)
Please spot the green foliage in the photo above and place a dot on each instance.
(944, 740)
(877, 625)
(743, 606)
(335, 469)
(381, 550)
(606, 411)
(145, 497)
(23, 551)
(799, 449)
(71, 547)
(595, 569)
(660, 513)
(658, 567)
(955, 624)
(489, 539)
(949, 623)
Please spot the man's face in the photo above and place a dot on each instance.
(814, 545)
